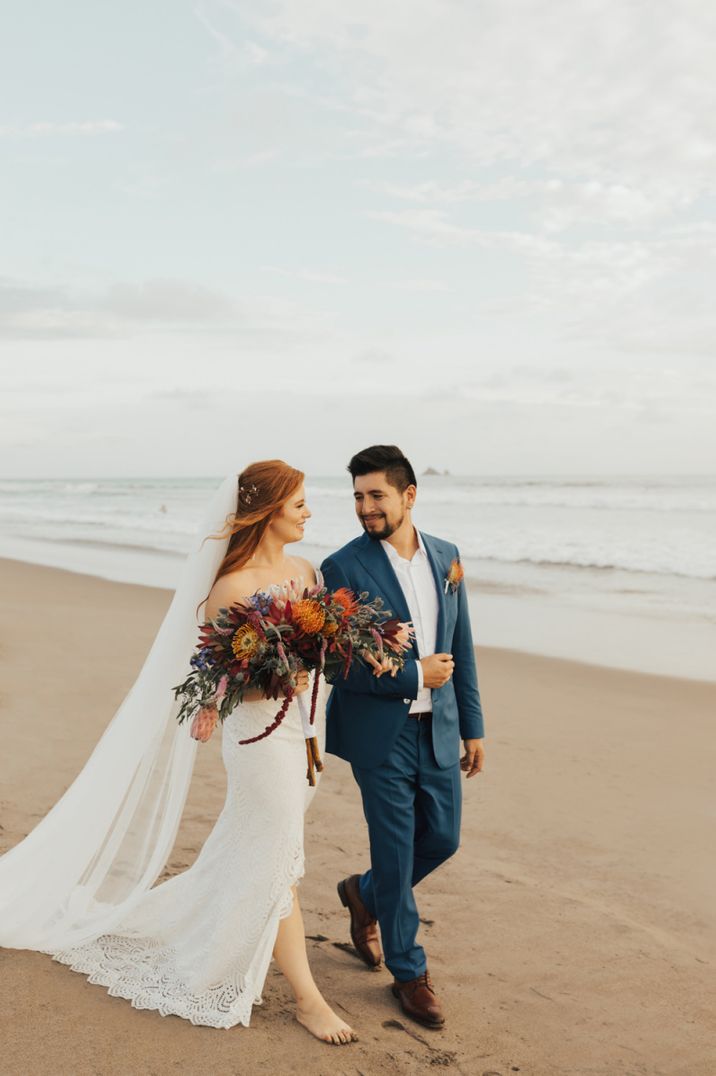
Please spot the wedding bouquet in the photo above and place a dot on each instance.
(265, 640)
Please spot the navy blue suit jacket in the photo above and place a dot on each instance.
(365, 712)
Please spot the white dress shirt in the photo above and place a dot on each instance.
(418, 585)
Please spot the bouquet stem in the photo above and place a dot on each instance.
(314, 759)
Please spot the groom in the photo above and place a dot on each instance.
(401, 731)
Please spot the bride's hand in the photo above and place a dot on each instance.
(301, 682)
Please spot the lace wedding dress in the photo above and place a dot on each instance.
(199, 945)
(81, 885)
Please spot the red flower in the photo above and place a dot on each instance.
(347, 601)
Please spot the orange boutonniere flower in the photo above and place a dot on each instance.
(454, 577)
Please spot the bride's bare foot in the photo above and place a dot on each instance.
(319, 1018)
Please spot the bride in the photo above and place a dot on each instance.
(79, 887)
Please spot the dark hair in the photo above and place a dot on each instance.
(388, 458)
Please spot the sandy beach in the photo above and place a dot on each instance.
(572, 935)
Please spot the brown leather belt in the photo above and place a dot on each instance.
(421, 716)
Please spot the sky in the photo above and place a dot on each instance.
(484, 231)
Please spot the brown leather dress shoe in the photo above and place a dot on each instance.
(364, 929)
(418, 1001)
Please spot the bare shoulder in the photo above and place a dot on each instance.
(306, 569)
(229, 589)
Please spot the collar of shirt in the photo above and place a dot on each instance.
(395, 555)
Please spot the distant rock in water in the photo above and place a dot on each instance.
(432, 471)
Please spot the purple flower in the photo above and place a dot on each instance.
(202, 660)
(261, 602)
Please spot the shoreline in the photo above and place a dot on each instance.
(570, 935)
(516, 619)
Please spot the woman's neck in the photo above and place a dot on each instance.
(270, 553)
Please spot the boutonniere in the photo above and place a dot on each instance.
(454, 577)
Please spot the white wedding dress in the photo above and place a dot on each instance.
(199, 944)
(81, 885)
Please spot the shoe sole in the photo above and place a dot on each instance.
(341, 888)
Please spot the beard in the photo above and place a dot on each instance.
(378, 533)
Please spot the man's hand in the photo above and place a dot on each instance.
(437, 669)
(473, 759)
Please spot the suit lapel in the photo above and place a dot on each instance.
(439, 576)
(375, 561)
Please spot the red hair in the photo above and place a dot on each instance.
(262, 490)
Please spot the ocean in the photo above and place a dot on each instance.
(616, 571)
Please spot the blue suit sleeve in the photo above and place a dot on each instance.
(360, 679)
(467, 693)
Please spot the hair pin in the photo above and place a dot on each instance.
(247, 493)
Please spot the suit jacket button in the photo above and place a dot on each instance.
(407, 700)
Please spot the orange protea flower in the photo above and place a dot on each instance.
(346, 599)
(330, 628)
(245, 642)
(309, 615)
(455, 576)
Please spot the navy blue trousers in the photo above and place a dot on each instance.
(412, 808)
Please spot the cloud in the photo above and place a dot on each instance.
(432, 192)
(227, 46)
(142, 183)
(512, 203)
(80, 127)
(436, 226)
(17, 297)
(255, 53)
(638, 291)
(567, 204)
(195, 398)
(566, 144)
(245, 161)
(166, 302)
(127, 308)
(554, 205)
(39, 312)
(44, 312)
(374, 356)
(311, 276)
(620, 93)
(230, 49)
(418, 285)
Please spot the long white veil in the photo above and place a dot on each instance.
(103, 845)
